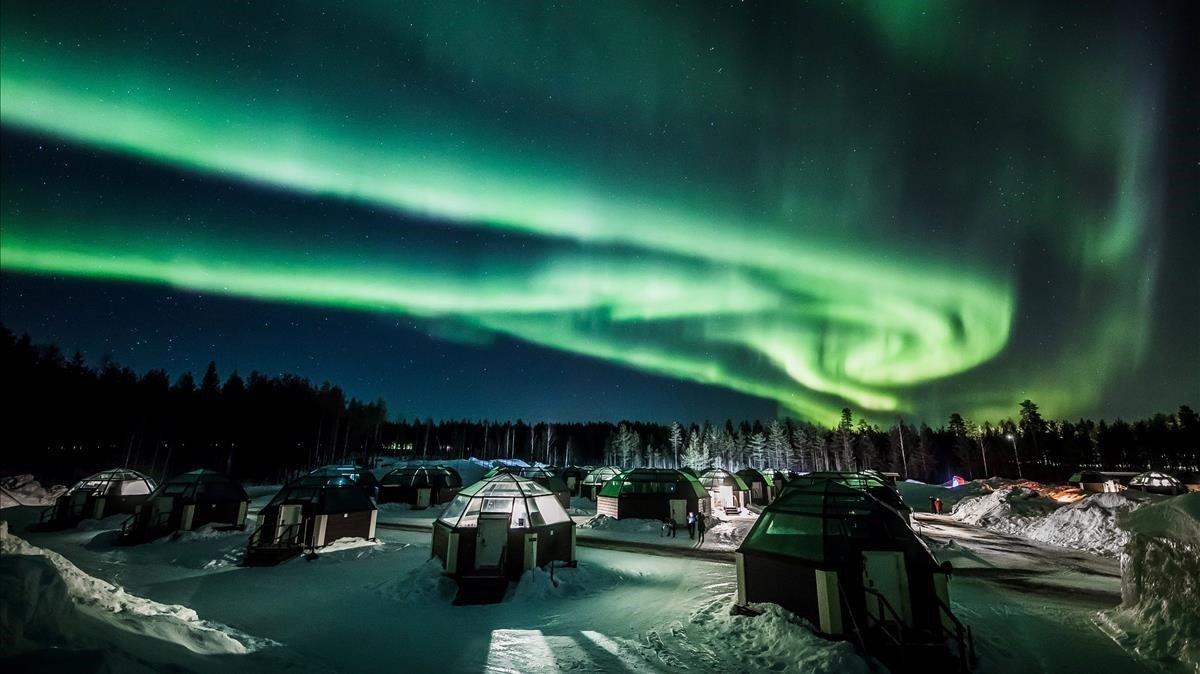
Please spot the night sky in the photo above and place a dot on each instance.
(607, 210)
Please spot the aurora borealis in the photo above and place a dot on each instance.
(911, 210)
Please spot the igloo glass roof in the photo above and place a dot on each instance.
(526, 503)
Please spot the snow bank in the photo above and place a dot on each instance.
(35, 608)
(1159, 616)
(567, 582)
(1088, 524)
(422, 585)
(1008, 510)
(349, 544)
(628, 525)
(23, 490)
(117, 608)
(1024, 509)
(777, 640)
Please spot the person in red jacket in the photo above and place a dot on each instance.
(937, 505)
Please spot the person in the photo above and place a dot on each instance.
(700, 527)
(932, 505)
(937, 505)
(691, 519)
(672, 523)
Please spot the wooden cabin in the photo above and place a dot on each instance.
(729, 493)
(186, 502)
(653, 493)
(596, 479)
(310, 513)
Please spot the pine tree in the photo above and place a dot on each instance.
(844, 436)
(756, 447)
(676, 441)
(777, 444)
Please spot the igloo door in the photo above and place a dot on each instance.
(884, 572)
(491, 538)
(423, 497)
(679, 511)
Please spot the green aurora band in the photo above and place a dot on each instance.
(735, 226)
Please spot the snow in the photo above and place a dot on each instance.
(1007, 510)
(172, 623)
(776, 640)
(1159, 616)
(627, 525)
(23, 490)
(721, 535)
(1049, 514)
(639, 603)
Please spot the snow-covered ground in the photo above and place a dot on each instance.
(722, 535)
(363, 607)
(23, 490)
(1056, 515)
(368, 608)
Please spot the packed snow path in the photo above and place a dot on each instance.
(1020, 563)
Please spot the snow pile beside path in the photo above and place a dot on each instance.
(1088, 524)
(207, 532)
(424, 584)
(627, 525)
(35, 609)
(566, 582)
(1159, 616)
(1023, 509)
(353, 543)
(114, 606)
(777, 640)
(23, 490)
(1008, 510)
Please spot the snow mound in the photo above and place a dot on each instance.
(1038, 513)
(1008, 509)
(1159, 616)
(110, 523)
(567, 583)
(1088, 524)
(777, 640)
(23, 490)
(207, 532)
(34, 604)
(354, 543)
(627, 525)
(114, 606)
(424, 584)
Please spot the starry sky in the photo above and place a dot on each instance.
(619, 209)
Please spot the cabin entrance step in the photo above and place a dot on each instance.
(733, 511)
(481, 590)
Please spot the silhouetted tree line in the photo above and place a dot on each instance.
(65, 419)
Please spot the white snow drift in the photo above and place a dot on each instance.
(23, 490)
(1024, 510)
(1159, 616)
(108, 603)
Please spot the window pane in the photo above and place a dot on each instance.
(520, 518)
(134, 488)
(497, 505)
(552, 512)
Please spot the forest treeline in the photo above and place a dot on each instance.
(64, 418)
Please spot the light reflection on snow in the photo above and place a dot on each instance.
(513, 651)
